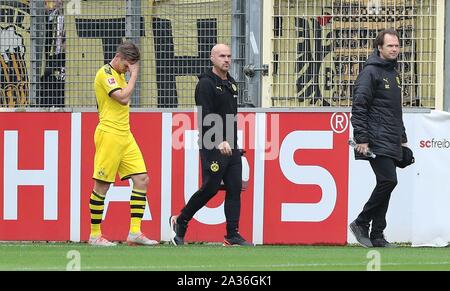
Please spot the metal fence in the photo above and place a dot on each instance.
(320, 47)
(51, 59)
(50, 50)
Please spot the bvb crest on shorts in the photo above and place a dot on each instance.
(14, 83)
(101, 173)
(215, 167)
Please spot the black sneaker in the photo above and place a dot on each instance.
(178, 231)
(361, 234)
(382, 243)
(235, 240)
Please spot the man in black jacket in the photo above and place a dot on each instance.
(216, 99)
(378, 125)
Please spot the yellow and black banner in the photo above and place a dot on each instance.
(14, 53)
(320, 47)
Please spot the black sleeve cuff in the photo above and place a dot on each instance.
(114, 90)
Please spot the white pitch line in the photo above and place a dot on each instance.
(215, 267)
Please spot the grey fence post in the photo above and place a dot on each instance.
(133, 33)
(238, 46)
(446, 106)
(37, 19)
(253, 46)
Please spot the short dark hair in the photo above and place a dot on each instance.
(379, 41)
(129, 51)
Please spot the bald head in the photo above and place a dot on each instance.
(221, 59)
(219, 48)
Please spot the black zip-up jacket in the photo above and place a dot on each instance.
(377, 108)
(217, 96)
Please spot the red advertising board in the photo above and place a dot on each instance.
(297, 195)
(306, 186)
(35, 151)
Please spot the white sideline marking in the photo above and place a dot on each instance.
(174, 267)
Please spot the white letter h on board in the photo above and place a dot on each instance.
(13, 177)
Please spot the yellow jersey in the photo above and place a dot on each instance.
(114, 117)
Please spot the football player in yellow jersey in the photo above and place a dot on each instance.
(116, 150)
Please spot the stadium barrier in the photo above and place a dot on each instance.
(304, 185)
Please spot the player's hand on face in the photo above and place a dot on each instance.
(134, 68)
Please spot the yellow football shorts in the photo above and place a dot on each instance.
(116, 153)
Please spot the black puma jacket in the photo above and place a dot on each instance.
(377, 108)
(220, 97)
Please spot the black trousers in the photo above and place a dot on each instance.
(375, 209)
(230, 171)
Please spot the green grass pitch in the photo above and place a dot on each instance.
(210, 257)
